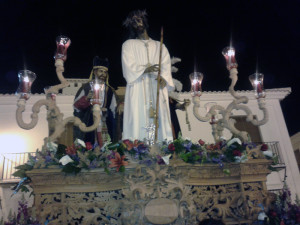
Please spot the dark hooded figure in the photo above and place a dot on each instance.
(83, 107)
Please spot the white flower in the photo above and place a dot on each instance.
(222, 138)
(166, 159)
(240, 159)
(52, 147)
(261, 216)
(188, 139)
(104, 147)
(233, 141)
(65, 160)
(80, 142)
(268, 153)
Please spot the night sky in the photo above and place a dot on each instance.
(265, 34)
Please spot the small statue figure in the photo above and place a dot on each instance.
(83, 107)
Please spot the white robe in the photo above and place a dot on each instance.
(141, 89)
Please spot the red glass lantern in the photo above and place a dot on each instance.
(97, 88)
(62, 43)
(257, 80)
(229, 54)
(196, 81)
(26, 78)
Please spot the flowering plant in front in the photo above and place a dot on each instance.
(116, 156)
(283, 211)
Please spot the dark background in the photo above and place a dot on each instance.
(265, 34)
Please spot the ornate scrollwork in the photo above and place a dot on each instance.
(153, 195)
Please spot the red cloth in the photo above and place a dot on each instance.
(82, 103)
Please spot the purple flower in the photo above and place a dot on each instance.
(111, 156)
(93, 164)
(250, 145)
(215, 160)
(219, 161)
(140, 150)
(147, 162)
(160, 161)
(188, 146)
(48, 158)
(75, 158)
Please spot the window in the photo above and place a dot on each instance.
(243, 125)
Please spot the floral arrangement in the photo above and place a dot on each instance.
(115, 156)
(23, 217)
(283, 211)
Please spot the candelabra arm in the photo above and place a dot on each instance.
(262, 106)
(229, 123)
(196, 102)
(60, 127)
(217, 128)
(59, 64)
(215, 131)
(233, 76)
(34, 116)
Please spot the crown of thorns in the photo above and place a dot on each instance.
(138, 13)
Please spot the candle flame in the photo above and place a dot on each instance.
(195, 81)
(230, 52)
(26, 79)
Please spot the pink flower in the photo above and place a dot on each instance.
(89, 145)
(71, 150)
(237, 153)
(127, 142)
(201, 142)
(264, 147)
(130, 145)
(273, 213)
(171, 147)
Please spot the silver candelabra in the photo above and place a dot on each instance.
(238, 102)
(56, 122)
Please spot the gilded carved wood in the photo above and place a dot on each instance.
(176, 194)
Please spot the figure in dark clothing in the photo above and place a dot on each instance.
(83, 108)
(176, 104)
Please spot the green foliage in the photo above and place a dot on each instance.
(61, 151)
(275, 159)
(121, 149)
(113, 146)
(178, 146)
(190, 157)
(23, 188)
(71, 168)
(122, 169)
(91, 156)
(21, 170)
(106, 170)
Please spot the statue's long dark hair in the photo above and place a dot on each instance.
(128, 22)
